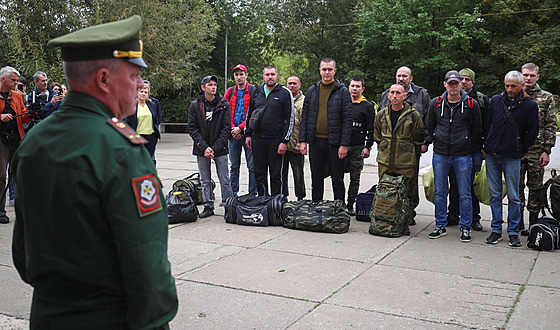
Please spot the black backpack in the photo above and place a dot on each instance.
(554, 185)
(544, 235)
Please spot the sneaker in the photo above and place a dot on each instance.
(208, 211)
(438, 232)
(494, 238)
(351, 211)
(4, 219)
(412, 222)
(514, 241)
(465, 235)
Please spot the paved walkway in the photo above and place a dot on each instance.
(231, 276)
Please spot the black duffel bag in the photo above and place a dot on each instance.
(254, 210)
(323, 216)
(180, 206)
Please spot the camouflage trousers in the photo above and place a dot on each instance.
(535, 175)
(354, 164)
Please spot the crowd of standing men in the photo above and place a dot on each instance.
(277, 125)
(94, 245)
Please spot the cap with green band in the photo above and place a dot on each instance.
(120, 39)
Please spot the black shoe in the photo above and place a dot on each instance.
(514, 241)
(208, 211)
(524, 232)
(4, 219)
(438, 232)
(406, 232)
(452, 220)
(412, 222)
(350, 208)
(494, 238)
(476, 226)
(465, 235)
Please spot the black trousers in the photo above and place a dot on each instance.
(321, 154)
(291, 159)
(266, 159)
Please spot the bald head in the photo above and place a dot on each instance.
(404, 77)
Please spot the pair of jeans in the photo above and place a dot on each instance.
(235, 147)
(454, 190)
(463, 167)
(511, 168)
(295, 160)
(205, 175)
(6, 153)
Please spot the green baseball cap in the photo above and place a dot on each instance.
(120, 39)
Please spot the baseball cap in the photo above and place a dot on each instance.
(452, 75)
(206, 79)
(239, 67)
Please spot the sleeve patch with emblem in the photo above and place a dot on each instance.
(146, 193)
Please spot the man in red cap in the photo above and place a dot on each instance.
(239, 97)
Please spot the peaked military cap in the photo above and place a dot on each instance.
(120, 39)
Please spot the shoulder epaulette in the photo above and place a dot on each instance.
(126, 131)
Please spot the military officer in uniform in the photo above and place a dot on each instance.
(91, 236)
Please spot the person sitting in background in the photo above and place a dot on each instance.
(147, 118)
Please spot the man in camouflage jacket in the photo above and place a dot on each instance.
(538, 156)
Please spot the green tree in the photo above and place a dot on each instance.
(430, 37)
(522, 31)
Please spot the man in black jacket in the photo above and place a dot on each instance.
(269, 136)
(514, 126)
(454, 126)
(326, 124)
(361, 141)
(467, 81)
(209, 127)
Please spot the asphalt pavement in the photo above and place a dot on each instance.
(231, 276)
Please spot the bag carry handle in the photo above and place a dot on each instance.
(546, 186)
(195, 174)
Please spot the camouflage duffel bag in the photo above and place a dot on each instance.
(193, 182)
(323, 216)
(390, 208)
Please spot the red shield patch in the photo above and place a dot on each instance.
(146, 192)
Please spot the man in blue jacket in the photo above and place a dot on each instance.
(514, 125)
(49, 99)
(454, 126)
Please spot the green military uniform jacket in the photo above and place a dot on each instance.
(398, 148)
(547, 124)
(91, 223)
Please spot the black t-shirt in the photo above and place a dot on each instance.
(395, 114)
(10, 126)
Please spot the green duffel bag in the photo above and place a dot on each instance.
(193, 183)
(323, 216)
(390, 210)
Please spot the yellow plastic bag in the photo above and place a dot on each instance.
(481, 187)
(429, 185)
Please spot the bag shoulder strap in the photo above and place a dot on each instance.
(510, 116)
